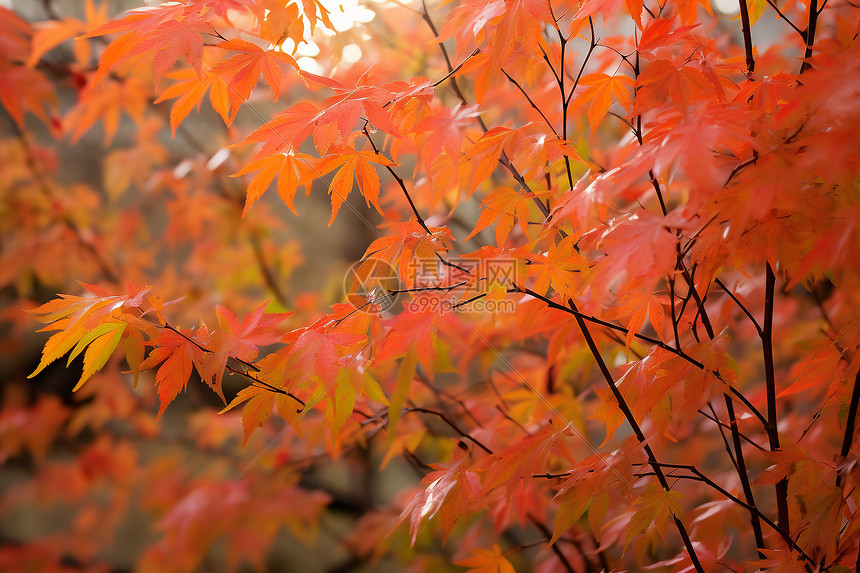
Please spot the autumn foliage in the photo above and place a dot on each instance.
(606, 318)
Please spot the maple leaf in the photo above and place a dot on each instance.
(659, 32)
(606, 9)
(352, 165)
(816, 370)
(409, 247)
(405, 374)
(339, 114)
(831, 247)
(527, 457)
(293, 170)
(23, 89)
(678, 144)
(601, 90)
(445, 131)
(318, 355)
(178, 354)
(634, 306)
(687, 9)
(282, 20)
(164, 32)
(584, 490)
(656, 506)
(495, 267)
(663, 79)
(97, 322)
(780, 560)
(646, 383)
(235, 340)
(286, 131)
(52, 33)
(484, 154)
(608, 413)
(333, 123)
(651, 235)
(557, 267)
(504, 207)
(486, 561)
(353, 382)
(15, 36)
(256, 412)
(105, 102)
(422, 328)
(451, 489)
(242, 71)
(519, 24)
(272, 374)
(190, 89)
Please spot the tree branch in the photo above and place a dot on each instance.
(850, 423)
(770, 382)
(628, 415)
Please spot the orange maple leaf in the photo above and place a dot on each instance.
(486, 561)
(352, 165)
(190, 89)
(292, 170)
(451, 489)
(242, 71)
(163, 32)
(601, 90)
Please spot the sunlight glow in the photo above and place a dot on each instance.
(344, 15)
(351, 53)
(728, 7)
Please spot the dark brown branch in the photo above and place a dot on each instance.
(850, 422)
(699, 476)
(770, 382)
(784, 17)
(453, 71)
(650, 340)
(532, 103)
(740, 305)
(451, 424)
(392, 292)
(810, 34)
(266, 386)
(748, 45)
(555, 549)
(744, 477)
(400, 182)
(734, 391)
(743, 436)
(628, 415)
